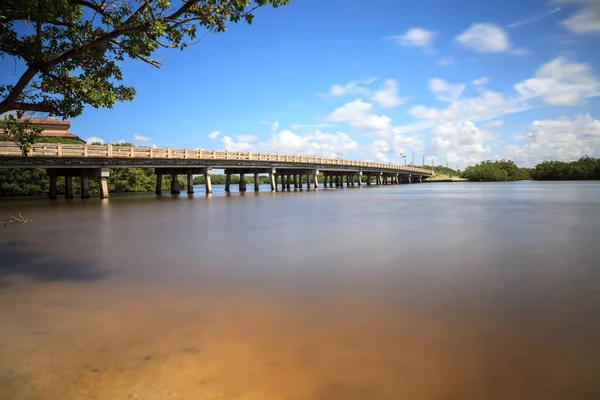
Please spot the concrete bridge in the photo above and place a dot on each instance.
(95, 161)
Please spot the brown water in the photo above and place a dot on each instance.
(434, 291)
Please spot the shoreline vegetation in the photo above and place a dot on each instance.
(586, 168)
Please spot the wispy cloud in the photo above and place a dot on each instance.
(533, 18)
(214, 134)
(138, 138)
(415, 37)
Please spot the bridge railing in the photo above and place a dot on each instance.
(58, 150)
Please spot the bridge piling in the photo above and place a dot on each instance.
(85, 187)
(175, 184)
(227, 182)
(316, 179)
(208, 180)
(242, 185)
(52, 188)
(159, 179)
(272, 181)
(360, 178)
(409, 178)
(190, 183)
(104, 173)
(68, 187)
(256, 185)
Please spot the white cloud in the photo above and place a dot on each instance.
(246, 138)
(214, 134)
(352, 87)
(415, 37)
(585, 20)
(358, 115)
(562, 139)
(485, 38)
(387, 96)
(533, 18)
(231, 145)
(275, 126)
(138, 138)
(310, 127)
(316, 143)
(462, 142)
(445, 61)
(446, 91)
(390, 148)
(481, 81)
(493, 124)
(560, 82)
(94, 139)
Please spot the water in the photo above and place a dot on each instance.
(433, 291)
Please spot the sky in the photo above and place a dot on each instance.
(459, 81)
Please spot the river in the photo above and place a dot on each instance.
(432, 291)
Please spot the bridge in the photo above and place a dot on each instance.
(288, 171)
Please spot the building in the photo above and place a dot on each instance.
(55, 128)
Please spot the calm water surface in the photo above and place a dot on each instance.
(434, 291)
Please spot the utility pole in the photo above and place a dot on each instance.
(423, 160)
(432, 165)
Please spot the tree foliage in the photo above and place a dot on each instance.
(72, 49)
(23, 134)
(585, 168)
(493, 171)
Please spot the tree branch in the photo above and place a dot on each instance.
(37, 107)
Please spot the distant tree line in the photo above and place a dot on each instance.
(496, 171)
(586, 168)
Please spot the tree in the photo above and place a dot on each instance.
(493, 171)
(71, 49)
(22, 133)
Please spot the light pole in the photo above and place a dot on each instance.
(403, 156)
(432, 165)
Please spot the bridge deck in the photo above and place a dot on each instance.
(56, 155)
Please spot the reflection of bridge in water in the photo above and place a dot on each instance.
(94, 161)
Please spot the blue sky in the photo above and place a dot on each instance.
(458, 80)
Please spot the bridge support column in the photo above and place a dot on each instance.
(174, 184)
(208, 180)
(242, 186)
(227, 182)
(360, 179)
(300, 176)
(85, 187)
(409, 178)
(273, 181)
(52, 188)
(307, 181)
(295, 180)
(68, 187)
(288, 179)
(256, 185)
(159, 179)
(190, 183)
(420, 178)
(316, 179)
(104, 173)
